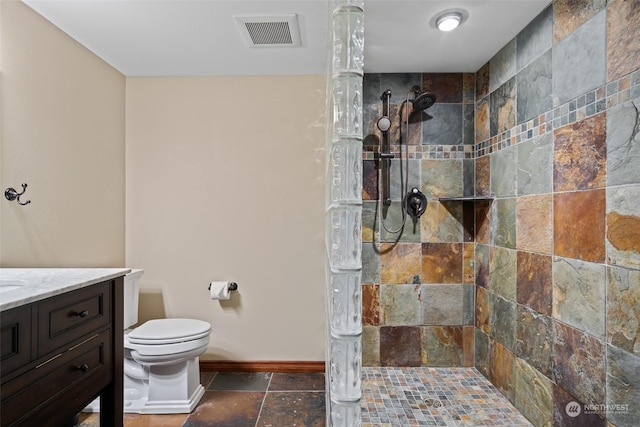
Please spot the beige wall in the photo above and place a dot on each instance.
(63, 134)
(225, 182)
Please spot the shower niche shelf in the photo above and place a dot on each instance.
(473, 214)
(466, 199)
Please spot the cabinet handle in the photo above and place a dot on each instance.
(84, 368)
(83, 313)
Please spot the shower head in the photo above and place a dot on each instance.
(422, 100)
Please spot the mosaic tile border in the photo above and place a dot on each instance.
(424, 396)
(419, 152)
(594, 102)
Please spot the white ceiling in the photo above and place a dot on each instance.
(200, 37)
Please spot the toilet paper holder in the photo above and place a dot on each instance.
(233, 286)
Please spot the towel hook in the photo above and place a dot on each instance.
(11, 194)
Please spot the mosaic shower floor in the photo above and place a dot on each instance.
(393, 397)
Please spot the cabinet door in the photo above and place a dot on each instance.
(15, 340)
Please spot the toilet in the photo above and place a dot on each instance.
(161, 359)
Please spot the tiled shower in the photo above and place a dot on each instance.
(534, 279)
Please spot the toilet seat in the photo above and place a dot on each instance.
(169, 331)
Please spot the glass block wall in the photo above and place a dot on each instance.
(343, 205)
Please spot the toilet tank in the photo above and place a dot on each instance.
(131, 290)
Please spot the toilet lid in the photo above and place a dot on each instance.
(166, 331)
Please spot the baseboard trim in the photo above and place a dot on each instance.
(261, 366)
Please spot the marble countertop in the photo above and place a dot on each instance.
(20, 286)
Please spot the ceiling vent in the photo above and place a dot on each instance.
(269, 30)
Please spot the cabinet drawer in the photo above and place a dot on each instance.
(15, 339)
(86, 366)
(63, 319)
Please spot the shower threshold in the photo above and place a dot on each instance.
(433, 397)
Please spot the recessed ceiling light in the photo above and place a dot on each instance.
(448, 21)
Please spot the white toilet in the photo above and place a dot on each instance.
(161, 369)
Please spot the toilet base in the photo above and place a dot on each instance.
(144, 406)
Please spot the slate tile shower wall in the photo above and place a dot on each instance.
(418, 285)
(557, 255)
(546, 275)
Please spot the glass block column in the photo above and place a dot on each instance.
(344, 212)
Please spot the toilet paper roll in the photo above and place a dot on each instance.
(219, 290)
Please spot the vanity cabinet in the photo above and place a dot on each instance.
(59, 353)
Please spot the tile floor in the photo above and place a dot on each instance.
(391, 397)
(244, 399)
(422, 396)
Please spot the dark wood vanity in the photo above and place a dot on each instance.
(60, 353)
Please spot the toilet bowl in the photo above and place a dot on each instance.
(161, 370)
(161, 359)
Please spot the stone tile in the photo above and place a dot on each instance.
(445, 125)
(398, 113)
(623, 386)
(623, 309)
(483, 265)
(535, 165)
(579, 364)
(503, 66)
(468, 88)
(442, 346)
(369, 221)
(483, 129)
(502, 371)
(370, 263)
(206, 378)
(468, 173)
(399, 84)
(534, 394)
(468, 124)
(568, 15)
(502, 108)
(580, 155)
(293, 408)
(482, 81)
(442, 222)
(297, 381)
(535, 224)
(400, 263)
(444, 304)
(623, 38)
(241, 381)
(146, 420)
(370, 346)
(534, 89)
(446, 86)
(561, 415)
(397, 175)
(442, 178)
(535, 39)
(483, 174)
(579, 295)
(623, 226)
(503, 321)
(393, 218)
(370, 132)
(573, 214)
(623, 150)
(226, 408)
(579, 60)
(442, 262)
(468, 259)
(370, 179)
(503, 225)
(484, 212)
(534, 283)
(534, 339)
(468, 347)
(482, 352)
(504, 170)
(400, 346)
(483, 310)
(370, 304)
(399, 305)
(503, 272)
(371, 89)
